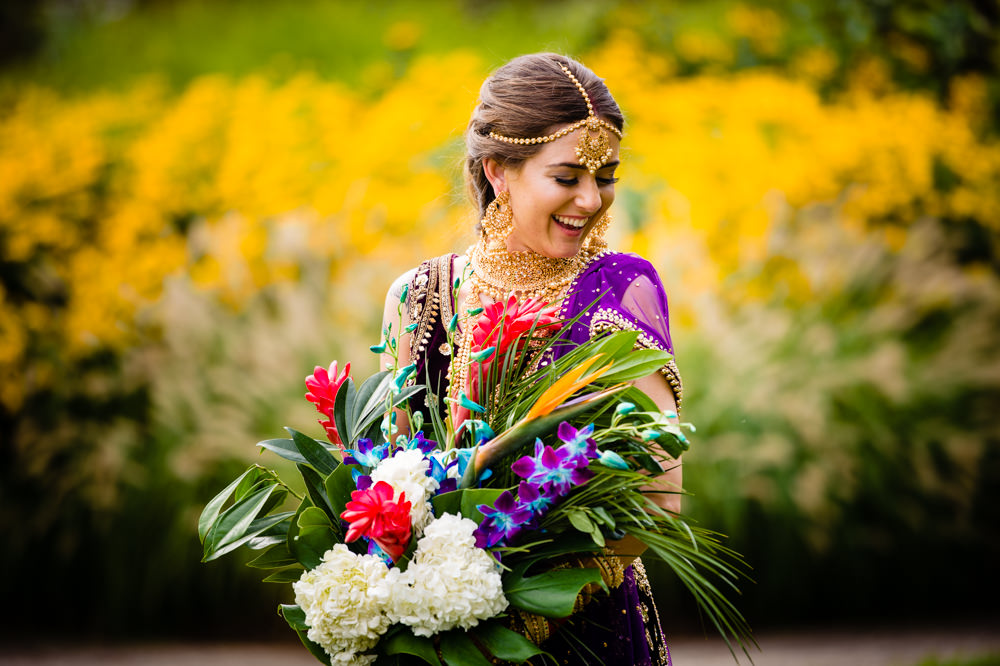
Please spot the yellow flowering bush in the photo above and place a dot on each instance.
(208, 239)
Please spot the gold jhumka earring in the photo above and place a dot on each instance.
(596, 241)
(498, 222)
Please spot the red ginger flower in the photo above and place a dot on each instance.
(373, 514)
(503, 325)
(323, 386)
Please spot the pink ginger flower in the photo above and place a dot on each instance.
(323, 386)
(504, 326)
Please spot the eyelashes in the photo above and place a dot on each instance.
(569, 182)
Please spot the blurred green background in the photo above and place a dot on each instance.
(200, 201)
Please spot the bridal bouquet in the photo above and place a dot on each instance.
(441, 533)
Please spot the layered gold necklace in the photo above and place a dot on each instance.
(500, 273)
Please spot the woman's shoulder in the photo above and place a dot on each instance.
(416, 275)
(623, 266)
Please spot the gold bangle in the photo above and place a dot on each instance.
(612, 571)
(536, 627)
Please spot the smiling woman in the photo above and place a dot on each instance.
(542, 151)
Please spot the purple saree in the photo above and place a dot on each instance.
(615, 292)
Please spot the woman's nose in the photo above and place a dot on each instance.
(588, 196)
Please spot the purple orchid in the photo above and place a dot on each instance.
(556, 472)
(503, 520)
(367, 453)
(439, 473)
(532, 498)
(578, 443)
(421, 443)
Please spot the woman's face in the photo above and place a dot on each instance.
(555, 201)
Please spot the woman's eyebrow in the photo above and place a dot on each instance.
(571, 165)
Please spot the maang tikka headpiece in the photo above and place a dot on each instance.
(594, 147)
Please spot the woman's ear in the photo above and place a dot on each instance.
(496, 173)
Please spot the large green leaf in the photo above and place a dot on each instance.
(339, 487)
(505, 644)
(211, 511)
(285, 448)
(340, 415)
(450, 502)
(614, 346)
(314, 452)
(275, 557)
(404, 642)
(296, 619)
(637, 364)
(316, 487)
(233, 523)
(579, 518)
(457, 649)
(293, 525)
(288, 575)
(255, 528)
(370, 399)
(551, 593)
(473, 497)
(370, 418)
(464, 501)
(315, 537)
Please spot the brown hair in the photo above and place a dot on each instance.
(526, 98)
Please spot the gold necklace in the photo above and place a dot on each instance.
(526, 275)
(499, 274)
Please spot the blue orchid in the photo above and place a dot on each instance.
(367, 453)
(503, 520)
(439, 472)
(421, 443)
(556, 472)
(463, 456)
(578, 443)
(362, 481)
(532, 498)
(373, 549)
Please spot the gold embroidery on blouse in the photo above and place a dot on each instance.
(608, 319)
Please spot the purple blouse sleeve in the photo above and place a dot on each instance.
(623, 292)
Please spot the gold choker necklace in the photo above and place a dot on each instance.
(499, 273)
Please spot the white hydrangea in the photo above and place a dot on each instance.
(406, 472)
(450, 583)
(344, 600)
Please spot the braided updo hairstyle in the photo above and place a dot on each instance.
(527, 97)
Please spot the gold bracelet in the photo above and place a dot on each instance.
(612, 571)
(536, 627)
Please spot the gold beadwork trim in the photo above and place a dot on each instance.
(430, 295)
(659, 651)
(608, 319)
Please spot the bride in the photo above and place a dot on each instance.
(542, 149)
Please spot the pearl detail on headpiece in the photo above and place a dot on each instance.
(594, 149)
